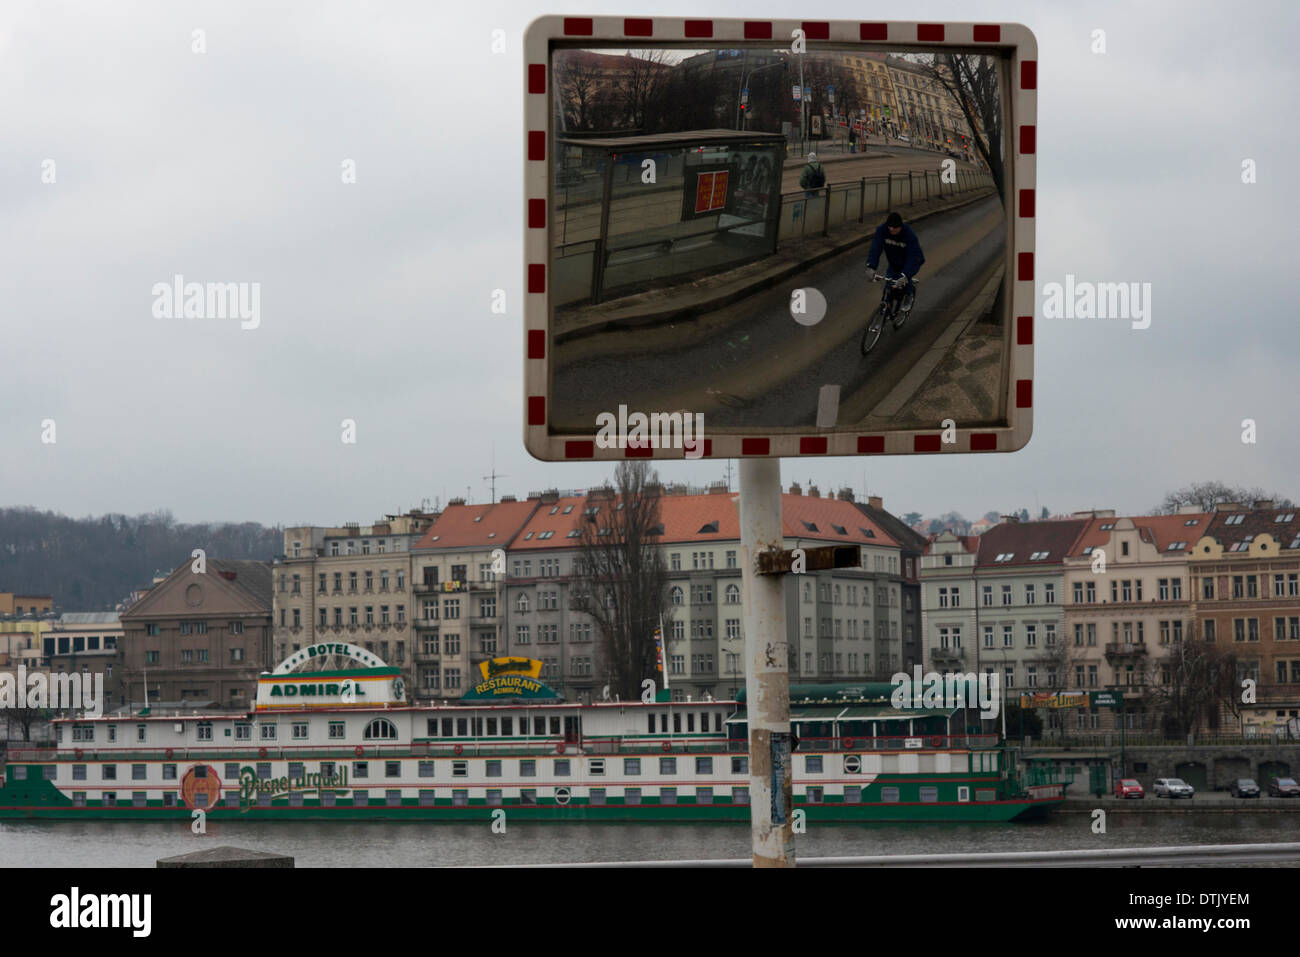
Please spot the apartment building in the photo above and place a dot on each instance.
(14, 605)
(199, 639)
(912, 546)
(994, 602)
(349, 583)
(1127, 602)
(459, 568)
(1244, 584)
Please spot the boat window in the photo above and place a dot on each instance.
(703, 765)
(392, 769)
(812, 764)
(704, 795)
(929, 795)
(462, 727)
(459, 769)
(295, 769)
(539, 725)
(562, 767)
(508, 727)
(492, 726)
(494, 797)
(264, 771)
(426, 797)
(667, 765)
(597, 796)
(632, 796)
(477, 725)
(740, 765)
(528, 768)
(446, 727)
(528, 796)
(814, 796)
(631, 766)
(889, 795)
(717, 722)
(596, 766)
(361, 769)
(426, 769)
(704, 721)
(380, 728)
(555, 724)
(852, 794)
(677, 722)
(690, 721)
(651, 717)
(740, 795)
(459, 798)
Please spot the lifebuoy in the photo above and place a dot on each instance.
(169, 752)
(261, 752)
(457, 749)
(77, 752)
(559, 748)
(358, 750)
(937, 741)
(667, 746)
(848, 744)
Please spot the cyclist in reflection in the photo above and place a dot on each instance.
(903, 252)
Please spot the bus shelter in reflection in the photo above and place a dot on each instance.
(639, 212)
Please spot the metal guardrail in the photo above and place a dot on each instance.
(1114, 857)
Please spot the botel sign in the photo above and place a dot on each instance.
(528, 667)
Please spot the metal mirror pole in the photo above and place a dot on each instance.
(767, 678)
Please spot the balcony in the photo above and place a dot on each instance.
(946, 656)
(1125, 649)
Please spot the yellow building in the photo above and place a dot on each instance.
(12, 603)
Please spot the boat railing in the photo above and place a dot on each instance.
(905, 742)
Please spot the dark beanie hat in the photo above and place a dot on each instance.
(894, 220)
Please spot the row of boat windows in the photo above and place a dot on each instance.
(682, 722)
(427, 798)
(527, 767)
(380, 729)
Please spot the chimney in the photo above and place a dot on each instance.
(602, 494)
(1263, 503)
(1188, 509)
(454, 501)
(550, 496)
(507, 498)
(1226, 507)
(846, 495)
(875, 501)
(1010, 519)
(814, 492)
(718, 489)
(795, 489)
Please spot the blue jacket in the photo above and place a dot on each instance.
(902, 251)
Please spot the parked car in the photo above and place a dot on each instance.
(1283, 788)
(1243, 788)
(1172, 788)
(1129, 788)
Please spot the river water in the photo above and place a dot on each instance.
(385, 844)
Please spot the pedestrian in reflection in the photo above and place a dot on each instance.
(813, 176)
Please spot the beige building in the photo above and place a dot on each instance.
(350, 583)
(1127, 601)
(459, 570)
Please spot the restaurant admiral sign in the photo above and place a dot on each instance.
(510, 678)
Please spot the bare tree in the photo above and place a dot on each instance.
(974, 81)
(578, 85)
(641, 86)
(1206, 495)
(26, 718)
(1198, 685)
(624, 585)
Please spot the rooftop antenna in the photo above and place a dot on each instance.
(494, 475)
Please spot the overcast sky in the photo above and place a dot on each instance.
(226, 166)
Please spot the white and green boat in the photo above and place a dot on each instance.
(340, 743)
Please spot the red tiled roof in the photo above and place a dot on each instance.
(559, 518)
(1254, 522)
(685, 518)
(1024, 539)
(477, 526)
(1160, 530)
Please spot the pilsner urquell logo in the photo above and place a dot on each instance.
(251, 787)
